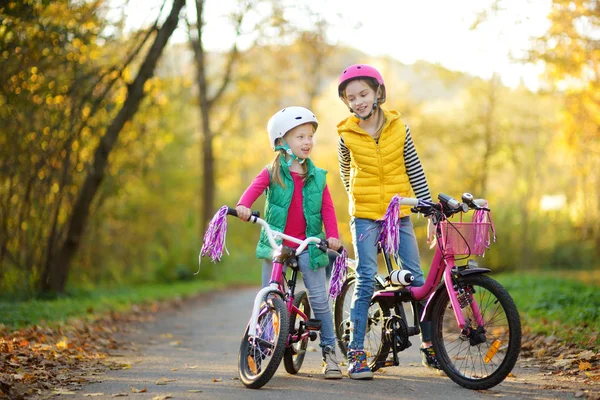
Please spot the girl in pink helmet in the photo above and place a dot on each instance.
(377, 160)
(298, 203)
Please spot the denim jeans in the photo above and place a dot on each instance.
(318, 296)
(365, 234)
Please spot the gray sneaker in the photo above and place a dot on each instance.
(331, 368)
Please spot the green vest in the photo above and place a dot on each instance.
(277, 205)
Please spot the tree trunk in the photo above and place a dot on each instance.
(489, 134)
(56, 274)
(207, 193)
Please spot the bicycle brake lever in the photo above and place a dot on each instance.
(323, 245)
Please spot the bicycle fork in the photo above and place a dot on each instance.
(256, 309)
(263, 294)
(460, 301)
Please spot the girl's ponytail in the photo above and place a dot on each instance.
(276, 168)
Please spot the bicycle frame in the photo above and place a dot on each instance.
(441, 265)
(276, 285)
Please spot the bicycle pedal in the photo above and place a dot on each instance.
(312, 335)
(313, 324)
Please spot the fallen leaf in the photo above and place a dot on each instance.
(164, 381)
(63, 344)
(93, 394)
(586, 355)
(175, 343)
(562, 363)
(162, 397)
(195, 391)
(585, 366)
(134, 390)
(217, 379)
(120, 395)
(191, 366)
(62, 391)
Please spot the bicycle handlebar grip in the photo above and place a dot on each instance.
(407, 201)
(233, 211)
(480, 202)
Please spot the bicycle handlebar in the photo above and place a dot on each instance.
(448, 205)
(273, 235)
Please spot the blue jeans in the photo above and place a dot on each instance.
(365, 235)
(316, 285)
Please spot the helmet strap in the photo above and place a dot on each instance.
(368, 115)
(290, 153)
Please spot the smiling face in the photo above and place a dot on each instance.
(300, 140)
(360, 97)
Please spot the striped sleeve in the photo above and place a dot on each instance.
(414, 169)
(344, 161)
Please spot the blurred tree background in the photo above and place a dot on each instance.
(116, 148)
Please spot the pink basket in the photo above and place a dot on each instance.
(465, 237)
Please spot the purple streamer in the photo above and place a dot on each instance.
(338, 274)
(214, 237)
(481, 234)
(390, 227)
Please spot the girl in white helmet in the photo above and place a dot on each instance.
(298, 203)
(377, 160)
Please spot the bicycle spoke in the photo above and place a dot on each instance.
(478, 356)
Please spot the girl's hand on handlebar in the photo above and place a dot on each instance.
(334, 243)
(243, 212)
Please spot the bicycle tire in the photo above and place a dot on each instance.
(375, 345)
(470, 364)
(257, 364)
(293, 356)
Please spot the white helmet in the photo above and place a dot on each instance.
(287, 119)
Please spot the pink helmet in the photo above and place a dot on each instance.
(357, 71)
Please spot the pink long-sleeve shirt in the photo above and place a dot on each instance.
(296, 223)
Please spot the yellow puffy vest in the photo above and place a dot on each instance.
(377, 170)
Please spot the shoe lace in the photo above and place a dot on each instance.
(330, 359)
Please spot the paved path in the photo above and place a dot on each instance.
(191, 353)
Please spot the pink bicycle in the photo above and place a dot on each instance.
(476, 328)
(280, 325)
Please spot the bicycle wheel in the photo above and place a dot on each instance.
(478, 357)
(260, 356)
(295, 352)
(375, 345)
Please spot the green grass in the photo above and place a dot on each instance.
(92, 303)
(552, 304)
(549, 303)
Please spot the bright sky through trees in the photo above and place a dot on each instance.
(437, 31)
